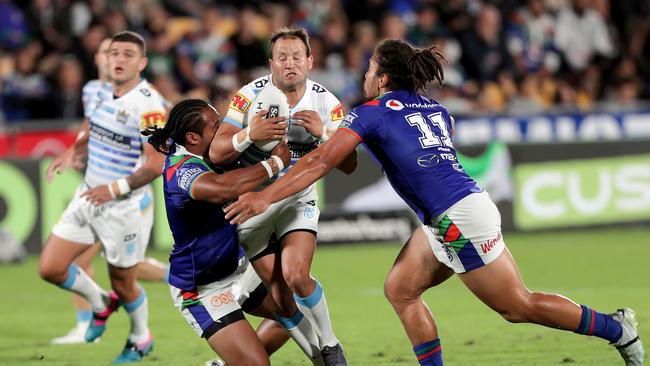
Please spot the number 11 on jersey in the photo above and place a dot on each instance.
(429, 138)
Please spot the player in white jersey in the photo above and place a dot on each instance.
(315, 114)
(74, 157)
(114, 204)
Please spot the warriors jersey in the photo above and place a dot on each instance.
(206, 248)
(409, 135)
(300, 141)
(115, 146)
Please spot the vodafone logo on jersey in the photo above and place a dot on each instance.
(395, 105)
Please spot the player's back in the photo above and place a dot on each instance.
(115, 145)
(205, 243)
(409, 135)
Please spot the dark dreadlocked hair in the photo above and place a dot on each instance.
(186, 116)
(408, 68)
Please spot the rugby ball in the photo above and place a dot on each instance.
(275, 102)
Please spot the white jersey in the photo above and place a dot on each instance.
(316, 98)
(92, 92)
(115, 146)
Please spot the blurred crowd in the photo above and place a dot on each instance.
(504, 56)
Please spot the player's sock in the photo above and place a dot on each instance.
(79, 282)
(598, 324)
(429, 353)
(300, 329)
(138, 311)
(84, 316)
(314, 307)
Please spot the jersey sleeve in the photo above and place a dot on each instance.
(188, 173)
(88, 96)
(241, 102)
(335, 112)
(365, 123)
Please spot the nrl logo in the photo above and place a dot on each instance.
(122, 116)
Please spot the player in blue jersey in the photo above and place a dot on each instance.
(411, 137)
(114, 204)
(211, 280)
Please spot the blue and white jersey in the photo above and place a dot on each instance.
(409, 136)
(92, 92)
(115, 146)
(300, 141)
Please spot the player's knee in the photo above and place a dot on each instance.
(298, 279)
(516, 312)
(257, 360)
(124, 289)
(51, 273)
(395, 293)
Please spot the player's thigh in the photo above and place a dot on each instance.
(498, 284)
(124, 229)
(238, 344)
(255, 234)
(85, 259)
(298, 249)
(252, 294)
(269, 269)
(416, 269)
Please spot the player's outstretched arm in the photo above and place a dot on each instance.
(230, 141)
(308, 170)
(220, 188)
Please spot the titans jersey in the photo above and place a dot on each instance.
(115, 143)
(300, 141)
(206, 248)
(409, 136)
(92, 92)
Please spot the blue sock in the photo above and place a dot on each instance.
(429, 353)
(84, 315)
(598, 324)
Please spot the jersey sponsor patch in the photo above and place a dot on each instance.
(145, 92)
(318, 89)
(240, 103)
(152, 119)
(188, 176)
(347, 121)
(337, 113)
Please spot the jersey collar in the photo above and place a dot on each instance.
(181, 150)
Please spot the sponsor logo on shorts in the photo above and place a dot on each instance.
(310, 212)
(488, 245)
(448, 251)
(222, 299)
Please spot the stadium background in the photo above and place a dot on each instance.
(551, 102)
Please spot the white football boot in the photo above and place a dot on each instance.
(629, 345)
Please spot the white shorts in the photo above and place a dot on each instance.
(122, 226)
(468, 235)
(211, 307)
(298, 212)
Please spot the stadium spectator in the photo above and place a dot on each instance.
(65, 98)
(530, 38)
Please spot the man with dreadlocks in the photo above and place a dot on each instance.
(211, 280)
(411, 137)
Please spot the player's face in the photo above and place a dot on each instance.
(101, 58)
(212, 121)
(371, 81)
(290, 64)
(125, 61)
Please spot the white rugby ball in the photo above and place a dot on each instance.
(275, 102)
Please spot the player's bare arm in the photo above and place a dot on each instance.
(149, 171)
(71, 156)
(223, 149)
(307, 170)
(220, 188)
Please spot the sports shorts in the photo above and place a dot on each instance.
(122, 226)
(468, 235)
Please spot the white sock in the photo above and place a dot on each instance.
(80, 283)
(138, 311)
(314, 307)
(300, 329)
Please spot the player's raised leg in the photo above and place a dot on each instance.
(57, 267)
(403, 289)
(83, 311)
(499, 285)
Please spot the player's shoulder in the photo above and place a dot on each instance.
(91, 86)
(254, 87)
(145, 97)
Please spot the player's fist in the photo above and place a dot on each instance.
(98, 195)
(311, 121)
(263, 129)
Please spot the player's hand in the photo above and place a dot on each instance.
(311, 121)
(248, 205)
(98, 195)
(282, 150)
(263, 129)
(59, 164)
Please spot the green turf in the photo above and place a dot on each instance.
(604, 268)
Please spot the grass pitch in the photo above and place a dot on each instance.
(604, 268)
